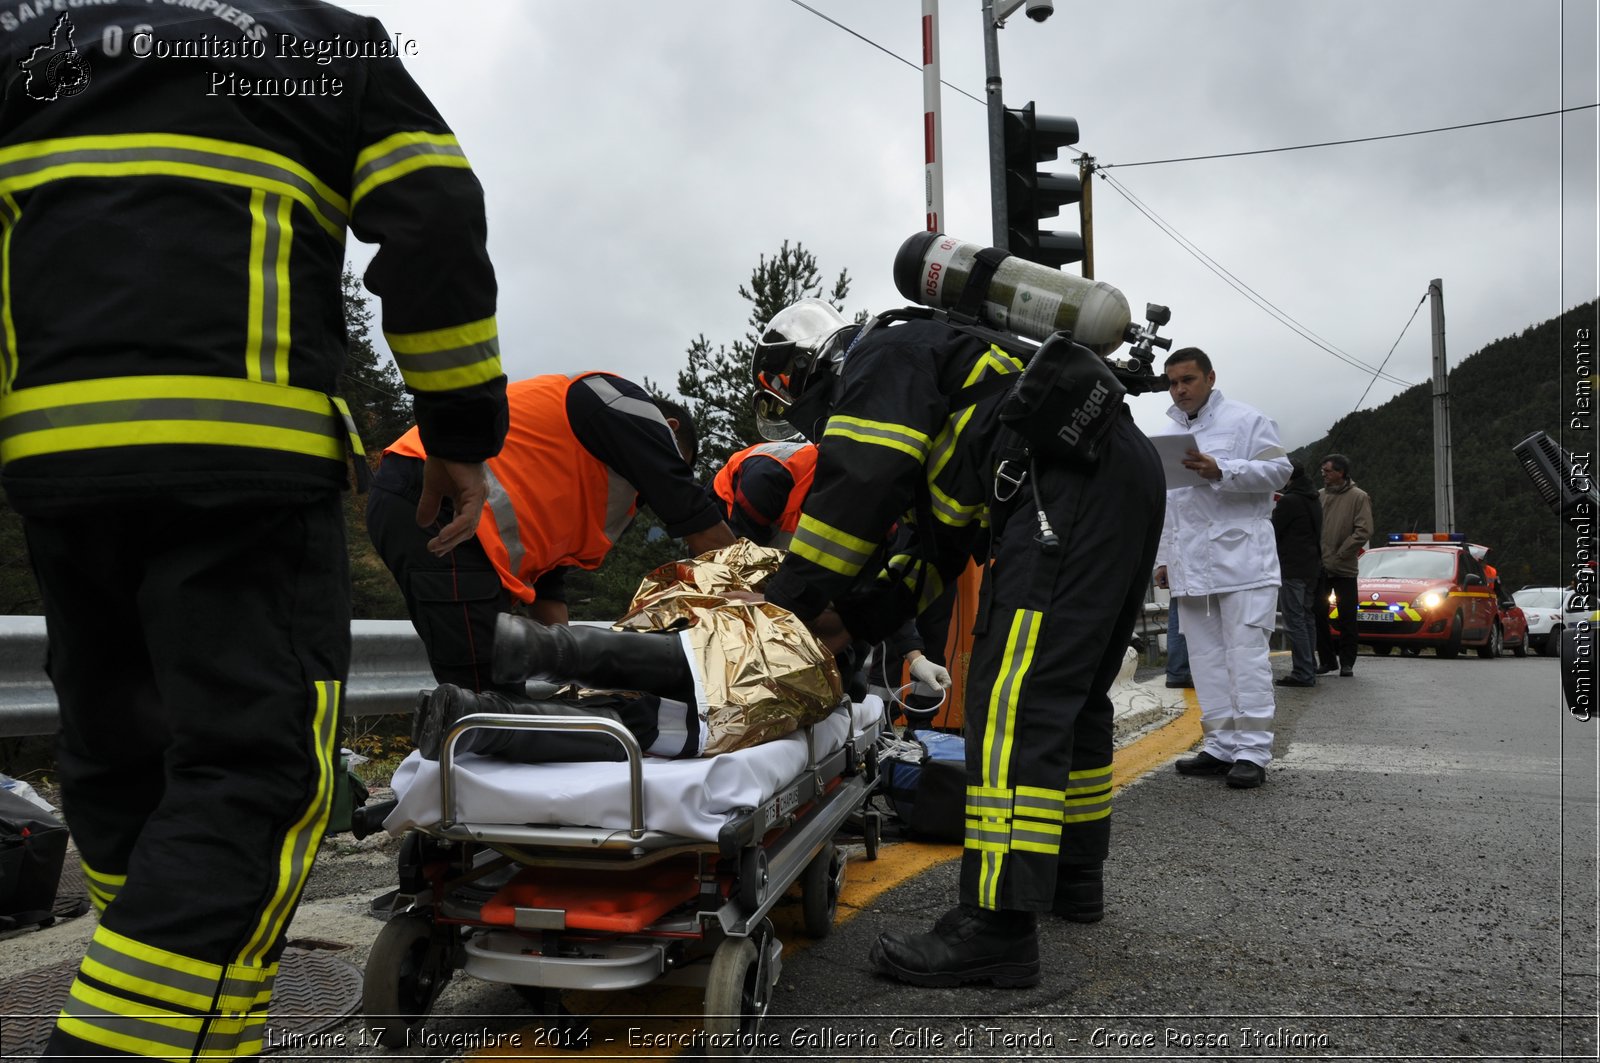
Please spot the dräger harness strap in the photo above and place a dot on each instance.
(984, 265)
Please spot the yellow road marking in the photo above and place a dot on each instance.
(1146, 752)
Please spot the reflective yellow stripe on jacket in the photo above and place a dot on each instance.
(39, 162)
(145, 410)
(447, 358)
(9, 214)
(394, 157)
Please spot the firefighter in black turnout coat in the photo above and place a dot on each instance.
(174, 235)
(906, 415)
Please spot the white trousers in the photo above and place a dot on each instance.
(1228, 637)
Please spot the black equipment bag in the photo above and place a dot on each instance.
(930, 796)
(33, 847)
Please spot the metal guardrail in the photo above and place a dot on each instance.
(388, 665)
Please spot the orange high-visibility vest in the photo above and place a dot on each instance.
(551, 503)
(801, 461)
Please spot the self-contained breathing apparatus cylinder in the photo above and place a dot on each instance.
(1020, 296)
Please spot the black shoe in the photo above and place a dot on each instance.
(437, 712)
(1203, 763)
(1180, 684)
(1347, 671)
(1326, 668)
(1246, 775)
(967, 944)
(1291, 681)
(1080, 893)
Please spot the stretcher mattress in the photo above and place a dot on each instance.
(691, 798)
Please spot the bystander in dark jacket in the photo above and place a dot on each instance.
(1297, 525)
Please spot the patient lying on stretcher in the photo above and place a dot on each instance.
(748, 673)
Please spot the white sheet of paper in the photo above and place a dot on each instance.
(1173, 449)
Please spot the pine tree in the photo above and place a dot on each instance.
(370, 383)
(19, 594)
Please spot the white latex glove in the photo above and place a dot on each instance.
(931, 673)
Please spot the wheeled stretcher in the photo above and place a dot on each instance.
(615, 874)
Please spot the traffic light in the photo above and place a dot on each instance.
(1031, 195)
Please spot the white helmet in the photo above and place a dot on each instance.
(802, 346)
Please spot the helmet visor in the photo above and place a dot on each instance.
(772, 419)
(780, 368)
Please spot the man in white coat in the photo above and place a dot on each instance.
(1218, 555)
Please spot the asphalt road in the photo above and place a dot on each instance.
(1416, 879)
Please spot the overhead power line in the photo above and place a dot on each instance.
(1386, 357)
(1221, 155)
(1353, 140)
(1244, 289)
(914, 66)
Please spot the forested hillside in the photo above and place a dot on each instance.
(1499, 396)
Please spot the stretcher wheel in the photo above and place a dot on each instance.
(872, 832)
(820, 884)
(738, 991)
(752, 878)
(408, 966)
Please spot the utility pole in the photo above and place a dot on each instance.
(1444, 506)
(997, 123)
(1086, 212)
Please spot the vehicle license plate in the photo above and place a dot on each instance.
(1375, 616)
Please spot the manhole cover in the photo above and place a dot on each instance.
(72, 896)
(315, 990)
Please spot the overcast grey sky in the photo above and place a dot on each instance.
(640, 155)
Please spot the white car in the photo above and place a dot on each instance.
(1548, 612)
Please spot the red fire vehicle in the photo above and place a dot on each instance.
(1422, 590)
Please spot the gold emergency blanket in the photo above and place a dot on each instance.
(762, 674)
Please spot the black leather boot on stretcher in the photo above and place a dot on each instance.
(593, 656)
(439, 710)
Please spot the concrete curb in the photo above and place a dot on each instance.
(1141, 707)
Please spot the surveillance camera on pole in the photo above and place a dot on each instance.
(1038, 10)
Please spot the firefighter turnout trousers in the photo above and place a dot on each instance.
(1053, 629)
(198, 654)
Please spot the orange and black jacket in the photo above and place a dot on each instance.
(760, 489)
(172, 234)
(582, 454)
